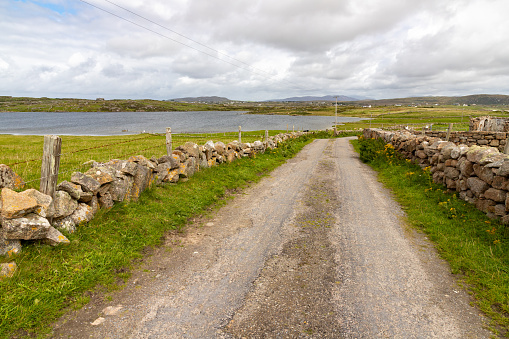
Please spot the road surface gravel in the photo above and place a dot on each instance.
(316, 250)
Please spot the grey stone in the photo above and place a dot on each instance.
(44, 203)
(54, 237)
(9, 179)
(484, 173)
(421, 154)
(220, 148)
(190, 148)
(504, 169)
(15, 205)
(168, 161)
(88, 184)
(142, 180)
(86, 196)
(104, 189)
(82, 215)
(102, 174)
(484, 204)
(9, 247)
(466, 167)
(500, 183)
(120, 188)
(123, 166)
(495, 194)
(203, 161)
(7, 270)
(451, 173)
(29, 227)
(63, 204)
(141, 160)
(74, 190)
(106, 201)
(499, 210)
(477, 186)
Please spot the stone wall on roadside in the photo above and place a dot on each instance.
(32, 215)
(480, 174)
(480, 138)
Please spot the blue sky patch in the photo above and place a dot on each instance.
(58, 8)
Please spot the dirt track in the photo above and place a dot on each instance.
(318, 249)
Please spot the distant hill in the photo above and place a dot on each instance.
(315, 98)
(210, 100)
(476, 99)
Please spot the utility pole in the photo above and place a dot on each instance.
(336, 120)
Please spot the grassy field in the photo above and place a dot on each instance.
(21, 104)
(51, 279)
(476, 247)
(24, 153)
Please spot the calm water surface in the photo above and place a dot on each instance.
(114, 123)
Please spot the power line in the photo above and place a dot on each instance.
(182, 35)
(247, 67)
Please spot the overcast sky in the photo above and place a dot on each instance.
(253, 49)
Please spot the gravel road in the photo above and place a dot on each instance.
(318, 249)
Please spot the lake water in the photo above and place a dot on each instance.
(115, 123)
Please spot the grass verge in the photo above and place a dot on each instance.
(476, 247)
(103, 252)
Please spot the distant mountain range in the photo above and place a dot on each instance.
(216, 99)
(476, 99)
(209, 100)
(322, 98)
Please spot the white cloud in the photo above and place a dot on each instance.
(297, 47)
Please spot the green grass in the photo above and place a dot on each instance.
(50, 279)
(476, 247)
(24, 153)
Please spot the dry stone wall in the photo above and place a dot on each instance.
(32, 215)
(480, 174)
(492, 139)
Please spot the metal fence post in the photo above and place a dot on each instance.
(168, 141)
(50, 164)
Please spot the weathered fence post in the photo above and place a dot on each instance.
(50, 164)
(449, 132)
(168, 141)
(240, 133)
(266, 135)
(293, 128)
(286, 128)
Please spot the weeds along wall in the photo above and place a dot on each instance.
(32, 215)
(479, 173)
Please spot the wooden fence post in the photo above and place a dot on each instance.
(168, 141)
(50, 164)
(449, 132)
(266, 135)
(240, 133)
